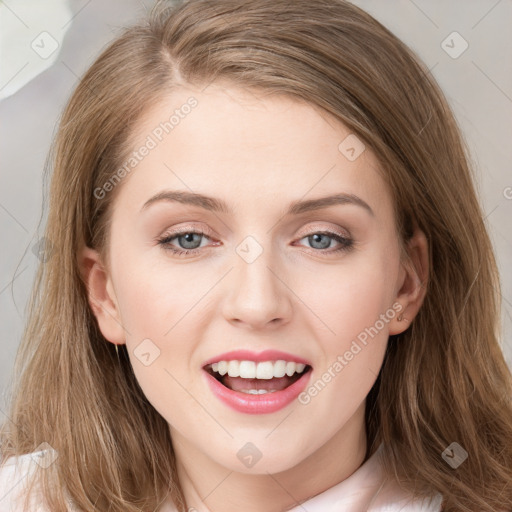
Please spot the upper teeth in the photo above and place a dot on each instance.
(253, 370)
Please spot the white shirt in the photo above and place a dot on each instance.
(366, 490)
(14, 480)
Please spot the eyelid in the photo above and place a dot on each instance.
(189, 228)
(345, 233)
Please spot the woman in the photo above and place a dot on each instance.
(265, 209)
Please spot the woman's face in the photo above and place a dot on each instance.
(278, 268)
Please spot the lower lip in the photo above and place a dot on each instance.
(257, 404)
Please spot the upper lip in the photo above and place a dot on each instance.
(247, 355)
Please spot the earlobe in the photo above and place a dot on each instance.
(414, 277)
(101, 296)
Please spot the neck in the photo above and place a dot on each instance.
(209, 486)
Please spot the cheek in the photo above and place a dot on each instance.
(153, 307)
(152, 302)
(157, 310)
(350, 297)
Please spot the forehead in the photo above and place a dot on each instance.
(248, 148)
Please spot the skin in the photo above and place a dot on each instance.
(258, 154)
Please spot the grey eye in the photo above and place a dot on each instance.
(319, 240)
(189, 242)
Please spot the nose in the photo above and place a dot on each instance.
(258, 297)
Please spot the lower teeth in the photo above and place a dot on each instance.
(257, 391)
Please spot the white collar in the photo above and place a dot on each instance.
(368, 490)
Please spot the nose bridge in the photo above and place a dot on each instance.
(257, 296)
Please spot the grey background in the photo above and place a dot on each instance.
(478, 85)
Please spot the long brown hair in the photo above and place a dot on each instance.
(443, 380)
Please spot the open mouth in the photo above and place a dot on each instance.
(257, 378)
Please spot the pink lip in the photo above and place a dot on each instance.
(247, 355)
(257, 404)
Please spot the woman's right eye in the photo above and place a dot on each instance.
(185, 238)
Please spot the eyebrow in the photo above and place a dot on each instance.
(218, 205)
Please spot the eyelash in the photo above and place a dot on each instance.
(346, 243)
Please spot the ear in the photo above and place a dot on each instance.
(412, 282)
(101, 296)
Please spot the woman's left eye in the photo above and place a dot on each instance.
(190, 242)
(324, 238)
